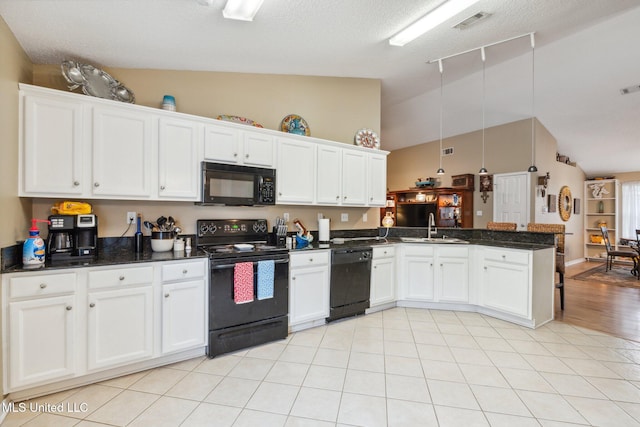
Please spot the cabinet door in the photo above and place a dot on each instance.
(308, 294)
(258, 149)
(52, 147)
(183, 315)
(296, 171)
(512, 195)
(418, 276)
(383, 281)
(354, 178)
(221, 144)
(505, 287)
(178, 167)
(122, 152)
(329, 176)
(377, 180)
(41, 340)
(120, 327)
(453, 279)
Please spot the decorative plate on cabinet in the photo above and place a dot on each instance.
(295, 124)
(367, 138)
(238, 119)
(95, 82)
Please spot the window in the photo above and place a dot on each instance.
(630, 209)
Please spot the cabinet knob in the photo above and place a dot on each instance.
(485, 268)
(385, 252)
(96, 184)
(345, 197)
(121, 278)
(371, 199)
(69, 307)
(76, 183)
(185, 271)
(235, 154)
(43, 285)
(293, 278)
(162, 187)
(310, 259)
(375, 266)
(246, 156)
(440, 265)
(431, 265)
(93, 304)
(504, 256)
(279, 194)
(166, 295)
(337, 197)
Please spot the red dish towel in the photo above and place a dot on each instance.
(243, 282)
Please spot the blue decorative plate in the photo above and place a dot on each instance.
(295, 124)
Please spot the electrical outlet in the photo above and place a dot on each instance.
(344, 217)
(365, 217)
(285, 216)
(320, 216)
(131, 217)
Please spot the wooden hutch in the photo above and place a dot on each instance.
(451, 206)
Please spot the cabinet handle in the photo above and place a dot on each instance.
(166, 295)
(93, 304)
(76, 183)
(162, 187)
(43, 285)
(69, 307)
(96, 184)
(121, 278)
(185, 271)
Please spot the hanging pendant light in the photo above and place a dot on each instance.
(533, 167)
(440, 170)
(483, 170)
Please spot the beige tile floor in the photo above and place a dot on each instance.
(400, 367)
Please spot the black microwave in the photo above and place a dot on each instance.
(235, 185)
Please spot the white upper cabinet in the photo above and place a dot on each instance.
(354, 177)
(122, 150)
(51, 158)
(179, 143)
(226, 145)
(296, 172)
(377, 179)
(329, 175)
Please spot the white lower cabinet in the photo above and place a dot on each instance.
(452, 274)
(416, 269)
(383, 276)
(308, 287)
(505, 282)
(183, 306)
(59, 327)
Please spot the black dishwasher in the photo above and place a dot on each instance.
(350, 282)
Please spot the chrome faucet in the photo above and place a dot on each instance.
(432, 224)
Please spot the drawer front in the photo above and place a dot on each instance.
(309, 259)
(35, 286)
(119, 277)
(183, 270)
(453, 251)
(510, 256)
(384, 252)
(419, 249)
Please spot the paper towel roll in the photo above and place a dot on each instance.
(323, 230)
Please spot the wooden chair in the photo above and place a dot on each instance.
(622, 253)
(502, 226)
(558, 230)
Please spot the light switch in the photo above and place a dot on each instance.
(478, 213)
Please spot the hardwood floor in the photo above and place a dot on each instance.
(607, 308)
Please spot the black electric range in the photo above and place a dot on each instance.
(234, 324)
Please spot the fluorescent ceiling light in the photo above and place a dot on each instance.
(431, 20)
(242, 10)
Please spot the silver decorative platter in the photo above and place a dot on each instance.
(95, 82)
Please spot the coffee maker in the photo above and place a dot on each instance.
(72, 237)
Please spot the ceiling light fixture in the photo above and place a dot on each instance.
(483, 170)
(431, 20)
(533, 167)
(440, 170)
(241, 10)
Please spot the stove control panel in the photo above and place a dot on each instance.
(230, 228)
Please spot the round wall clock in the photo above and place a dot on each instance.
(565, 203)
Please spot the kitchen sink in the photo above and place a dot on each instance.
(432, 240)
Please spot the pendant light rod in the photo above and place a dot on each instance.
(483, 47)
(483, 170)
(440, 169)
(533, 167)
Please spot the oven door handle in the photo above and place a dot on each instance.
(225, 266)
